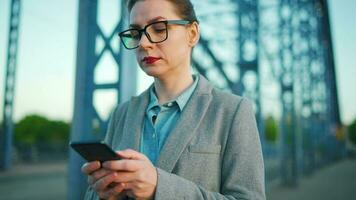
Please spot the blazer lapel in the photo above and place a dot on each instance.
(186, 126)
(131, 135)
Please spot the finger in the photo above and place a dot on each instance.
(104, 182)
(131, 154)
(90, 167)
(123, 165)
(119, 188)
(124, 177)
(129, 186)
(95, 176)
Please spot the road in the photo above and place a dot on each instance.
(48, 181)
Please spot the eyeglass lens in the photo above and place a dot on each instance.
(156, 32)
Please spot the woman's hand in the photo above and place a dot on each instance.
(135, 173)
(101, 180)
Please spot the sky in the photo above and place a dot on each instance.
(47, 56)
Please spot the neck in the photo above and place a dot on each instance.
(168, 88)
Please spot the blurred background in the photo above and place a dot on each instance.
(63, 70)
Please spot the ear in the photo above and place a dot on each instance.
(193, 34)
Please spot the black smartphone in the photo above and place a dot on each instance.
(92, 151)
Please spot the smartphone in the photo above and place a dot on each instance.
(92, 151)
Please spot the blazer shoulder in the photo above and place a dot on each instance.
(223, 100)
(121, 108)
(227, 98)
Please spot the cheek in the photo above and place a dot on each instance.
(175, 48)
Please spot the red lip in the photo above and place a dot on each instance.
(150, 59)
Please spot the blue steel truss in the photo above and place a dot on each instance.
(87, 123)
(289, 39)
(6, 133)
(296, 43)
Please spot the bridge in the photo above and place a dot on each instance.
(280, 56)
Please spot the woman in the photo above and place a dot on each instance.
(181, 138)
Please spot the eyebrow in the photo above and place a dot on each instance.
(148, 22)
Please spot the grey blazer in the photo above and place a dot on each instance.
(213, 152)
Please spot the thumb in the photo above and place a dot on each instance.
(131, 154)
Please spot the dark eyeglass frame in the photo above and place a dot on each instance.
(143, 30)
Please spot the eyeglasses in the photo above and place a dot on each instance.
(155, 32)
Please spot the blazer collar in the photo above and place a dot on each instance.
(186, 127)
(134, 121)
(181, 134)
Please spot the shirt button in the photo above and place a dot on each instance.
(169, 104)
(154, 135)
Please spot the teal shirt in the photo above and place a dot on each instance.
(160, 120)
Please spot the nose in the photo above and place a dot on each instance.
(145, 42)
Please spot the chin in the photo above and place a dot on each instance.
(154, 75)
(154, 72)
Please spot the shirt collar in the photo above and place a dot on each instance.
(181, 100)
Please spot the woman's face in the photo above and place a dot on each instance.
(172, 56)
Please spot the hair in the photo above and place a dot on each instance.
(184, 8)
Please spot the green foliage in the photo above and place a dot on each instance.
(352, 132)
(271, 129)
(35, 129)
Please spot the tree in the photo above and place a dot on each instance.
(271, 129)
(37, 137)
(35, 129)
(352, 132)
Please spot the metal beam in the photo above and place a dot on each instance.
(87, 123)
(10, 80)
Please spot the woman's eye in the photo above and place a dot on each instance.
(159, 27)
(135, 34)
(159, 30)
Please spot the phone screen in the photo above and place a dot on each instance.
(92, 151)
